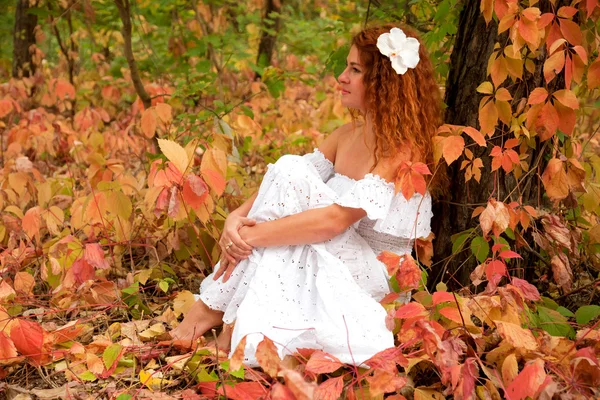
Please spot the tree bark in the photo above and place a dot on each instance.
(23, 38)
(268, 39)
(125, 14)
(468, 69)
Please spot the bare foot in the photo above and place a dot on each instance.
(197, 321)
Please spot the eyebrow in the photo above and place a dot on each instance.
(354, 64)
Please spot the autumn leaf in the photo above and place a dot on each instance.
(410, 178)
(387, 360)
(510, 369)
(6, 107)
(562, 272)
(528, 382)
(409, 274)
(94, 255)
(174, 153)
(322, 363)
(301, 389)
(215, 180)
(149, 123)
(268, 357)
(330, 389)
(32, 222)
(384, 382)
(28, 338)
(453, 147)
(194, 191)
(555, 180)
(24, 282)
(412, 309)
(516, 336)
(424, 248)
(529, 291)
(495, 218)
(8, 351)
(183, 302)
(391, 261)
(475, 135)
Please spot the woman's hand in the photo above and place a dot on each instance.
(233, 248)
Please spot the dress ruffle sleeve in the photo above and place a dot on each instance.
(409, 219)
(372, 194)
(321, 164)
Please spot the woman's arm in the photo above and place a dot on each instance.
(311, 226)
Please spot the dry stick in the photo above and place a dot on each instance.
(218, 366)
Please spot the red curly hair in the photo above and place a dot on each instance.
(405, 109)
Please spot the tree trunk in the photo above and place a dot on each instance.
(23, 38)
(125, 14)
(271, 25)
(468, 65)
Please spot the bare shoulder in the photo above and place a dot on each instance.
(329, 146)
(388, 167)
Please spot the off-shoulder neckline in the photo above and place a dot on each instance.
(369, 176)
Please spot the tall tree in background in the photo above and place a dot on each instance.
(23, 38)
(271, 25)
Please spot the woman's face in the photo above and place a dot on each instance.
(351, 82)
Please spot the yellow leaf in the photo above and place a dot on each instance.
(214, 159)
(183, 302)
(174, 153)
(510, 369)
(32, 221)
(150, 380)
(163, 111)
(555, 180)
(516, 336)
(488, 117)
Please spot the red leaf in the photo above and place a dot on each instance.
(410, 310)
(194, 191)
(94, 255)
(82, 271)
(5, 107)
(495, 270)
(331, 389)
(529, 291)
(281, 392)
(452, 314)
(322, 363)
(440, 297)
(387, 359)
(467, 383)
(409, 274)
(244, 391)
(28, 337)
(509, 254)
(268, 357)
(528, 382)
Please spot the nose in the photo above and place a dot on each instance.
(343, 78)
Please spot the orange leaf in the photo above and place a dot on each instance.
(555, 180)
(593, 76)
(410, 310)
(529, 31)
(5, 107)
(567, 98)
(28, 337)
(409, 274)
(475, 135)
(487, 8)
(566, 118)
(566, 11)
(387, 359)
(452, 314)
(32, 221)
(499, 70)
(24, 282)
(331, 389)
(494, 218)
(301, 389)
(391, 261)
(8, 350)
(442, 297)
(194, 191)
(148, 123)
(553, 65)
(537, 96)
(425, 249)
(528, 382)
(64, 89)
(268, 357)
(384, 382)
(215, 180)
(561, 270)
(323, 363)
(571, 31)
(488, 117)
(452, 148)
(237, 357)
(547, 122)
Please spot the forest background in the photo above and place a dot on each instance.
(129, 130)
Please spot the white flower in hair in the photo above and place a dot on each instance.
(403, 52)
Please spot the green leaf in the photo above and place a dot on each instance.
(124, 396)
(565, 312)
(586, 313)
(204, 376)
(87, 376)
(458, 240)
(111, 354)
(163, 285)
(480, 248)
(552, 322)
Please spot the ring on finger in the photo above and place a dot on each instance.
(228, 245)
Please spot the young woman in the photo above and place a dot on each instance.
(299, 263)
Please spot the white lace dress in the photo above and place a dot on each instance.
(324, 295)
